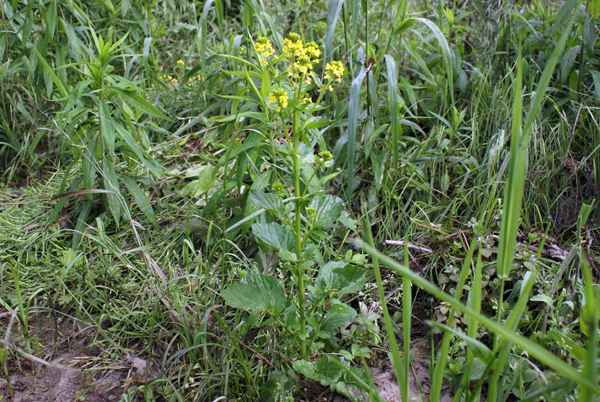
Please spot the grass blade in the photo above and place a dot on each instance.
(393, 105)
(333, 14)
(531, 347)
(516, 181)
(353, 113)
(401, 374)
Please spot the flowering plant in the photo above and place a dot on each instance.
(307, 306)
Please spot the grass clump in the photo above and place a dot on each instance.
(225, 192)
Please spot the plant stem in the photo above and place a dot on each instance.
(297, 232)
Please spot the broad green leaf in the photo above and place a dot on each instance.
(206, 179)
(268, 201)
(337, 316)
(262, 293)
(286, 255)
(140, 199)
(328, 210)
(337, 277)
(323, 370)
(316, 122)
(274, 235)
(252, 210)
(543, 298)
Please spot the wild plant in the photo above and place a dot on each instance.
(296, 212)
(102, 120)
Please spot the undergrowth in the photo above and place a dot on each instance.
(265, 199)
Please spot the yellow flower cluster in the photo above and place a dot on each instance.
(264, 49)
(180, 62)
(301, 57)
(292, 45)
(279, 96)
(334, 70)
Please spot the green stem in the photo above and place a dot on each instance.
(297, 232)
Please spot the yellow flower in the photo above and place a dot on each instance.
(305, 100)
(263, 48)
(334, 70)
(303, 64)
(312, 50)
(280, 97)
(180, 62)
(292, 45)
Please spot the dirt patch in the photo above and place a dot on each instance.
(68, 370)
(63, 381)
(419, 384)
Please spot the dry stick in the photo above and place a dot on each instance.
(257, 354)
(152, 266)
(57, 366)
(409, 245)
(10, 324)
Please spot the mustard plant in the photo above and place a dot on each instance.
(296, 213)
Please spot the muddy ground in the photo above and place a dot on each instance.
(65, 366)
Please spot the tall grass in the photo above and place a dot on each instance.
(420, 127)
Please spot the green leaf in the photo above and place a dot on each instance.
(333, 13)
(265, 87)
(337, 277)
(337, 316)
(323, 370)
(286, 255)
(316, 122)
(328, 210)
(108, 129)
(268, 201)
(354, 111)
(140, 199)
(52, 74)
(206, 179)
(479, 349)
(543, 298)
(532, 348)
(262, 293)
(111, 183)
(274, 235)
(136, 102)
(393, 105)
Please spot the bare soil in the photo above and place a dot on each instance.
(63, 367)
